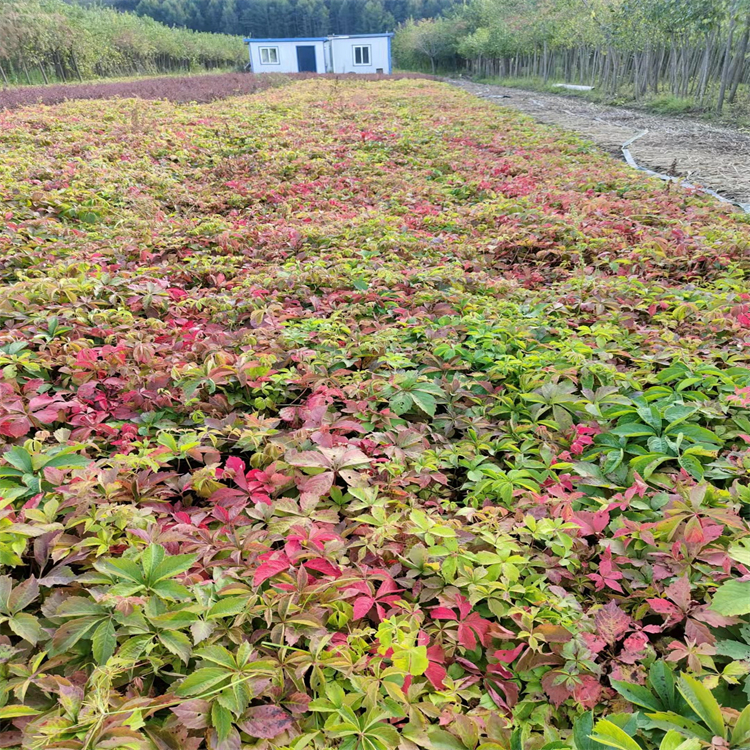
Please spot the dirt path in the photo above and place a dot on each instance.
(706, 155)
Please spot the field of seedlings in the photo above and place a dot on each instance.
(365, 415)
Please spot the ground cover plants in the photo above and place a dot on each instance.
(364, 415)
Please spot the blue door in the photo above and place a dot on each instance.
(306, 59)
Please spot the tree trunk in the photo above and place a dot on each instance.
(739, 63)
(727, 58)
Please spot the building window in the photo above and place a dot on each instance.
(269, 55)
(362, 54)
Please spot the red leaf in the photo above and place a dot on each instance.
(362, 606)
(443, 613)
(323, 566)
(588, 692)
(297, 703)
(315, 486)
(436, 673)
(509, 655)
(557, 693)
(611, 623)
(266, 722)
(308, 459)
(473, 628)
(679, 593)
(232, 741)
(663, 607)
(193, 714)
(15, 428)
(269, 569)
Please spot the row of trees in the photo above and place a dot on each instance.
(695, 50)
(51, 40)
(282, 18)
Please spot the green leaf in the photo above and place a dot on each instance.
(173, 566)
(178, 644)
(692, 743)
(741, 731)
(202, 680)
(734, 650)
(425, 402)
(231, 605)
(104, 641)
(668, 720)
(638, 695)
(14, 712)
(26, 626)
(610, 734)
(221, 720)
(122, 568)
(439, 739)
(732, 598)
(702, 701)
(78, 606)
(20, 458)
(651, 416)
(632, 429)
(23, 594)
(67, 461)
(582, 729)
(646, 465)
(218, 655)
(692, 466)
(401, 402)
(151, 557)
(386, 733)
(661, 679)
(694, 432)
(69, 633)
(171, 591)
(740, 552)
(613, 460)
(412, 660)
(671, 740)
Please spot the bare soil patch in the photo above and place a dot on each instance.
(202, 88)
(707, 155)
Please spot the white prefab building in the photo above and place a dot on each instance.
(358, 53)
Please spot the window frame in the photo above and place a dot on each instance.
(268, 49)
(368, 47)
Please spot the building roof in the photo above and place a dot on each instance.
(248, 40)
